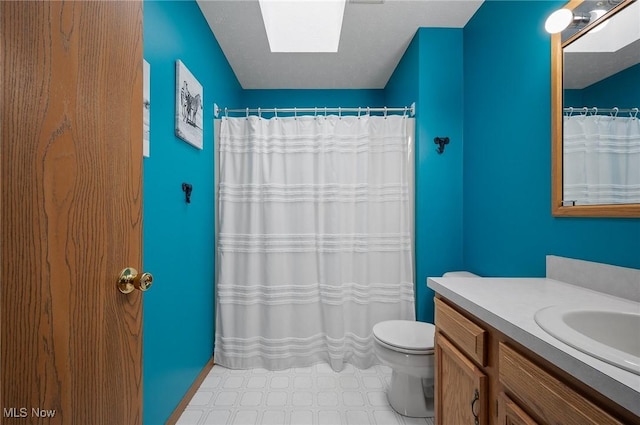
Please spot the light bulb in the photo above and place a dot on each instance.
(558, 21)
(596, 14)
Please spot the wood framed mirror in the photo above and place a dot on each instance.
(572, 197)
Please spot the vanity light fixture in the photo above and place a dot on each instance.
(562, 19)
(301, 26)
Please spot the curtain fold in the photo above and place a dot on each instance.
(601, 159)
(314, 244)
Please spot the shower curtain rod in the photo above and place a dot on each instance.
(411, 110)
(595, 110)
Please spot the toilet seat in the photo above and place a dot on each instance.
(405, 336)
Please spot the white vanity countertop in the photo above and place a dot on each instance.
(509, 305)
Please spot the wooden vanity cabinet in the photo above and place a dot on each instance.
(463, 399)
(510, 384)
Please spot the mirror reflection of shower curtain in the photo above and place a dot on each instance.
(315, 238)
(601, 159)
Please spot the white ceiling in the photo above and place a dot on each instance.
(374, 37)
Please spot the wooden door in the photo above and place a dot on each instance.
(461, 393)
(71, 158)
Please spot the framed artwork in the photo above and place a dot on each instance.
(146, 106)
(189, 106)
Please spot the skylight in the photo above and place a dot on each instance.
(303, 25)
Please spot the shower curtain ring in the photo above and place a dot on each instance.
(385, 112)
(247, 113)
(339, 112)
(635, 112)
(295, 113)
(325, 112)
(615, 112)
(259, 113)
(226, 113)
(405, 112)
(275, 112)
(359, 108)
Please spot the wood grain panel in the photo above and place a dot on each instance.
(509, 413)
(457, 380)
(71, 158)
(557, 184)
(550, 399)
(470, 337)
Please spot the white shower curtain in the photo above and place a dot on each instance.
(315, 225)
(601, 159)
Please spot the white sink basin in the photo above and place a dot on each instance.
(611, 336)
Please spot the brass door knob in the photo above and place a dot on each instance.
(130, 279)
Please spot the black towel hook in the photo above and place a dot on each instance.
(441, 142)
(187, 188)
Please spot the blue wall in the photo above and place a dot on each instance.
(439, 203)
(310, 98)
(179, 237)
(403, 85)
(508, 227)
(430, 73)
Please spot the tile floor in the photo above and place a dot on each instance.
(314, 395)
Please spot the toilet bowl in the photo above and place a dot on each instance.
(407, 347)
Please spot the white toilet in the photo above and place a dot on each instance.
(407, 348)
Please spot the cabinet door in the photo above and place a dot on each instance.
(509, 413)
(461, 387)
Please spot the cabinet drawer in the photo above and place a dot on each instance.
(468, 336)
(546, 396)
(509, 413)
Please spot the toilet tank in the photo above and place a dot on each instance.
(459, 274)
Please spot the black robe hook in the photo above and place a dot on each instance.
(187, 188)
(441, 141)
